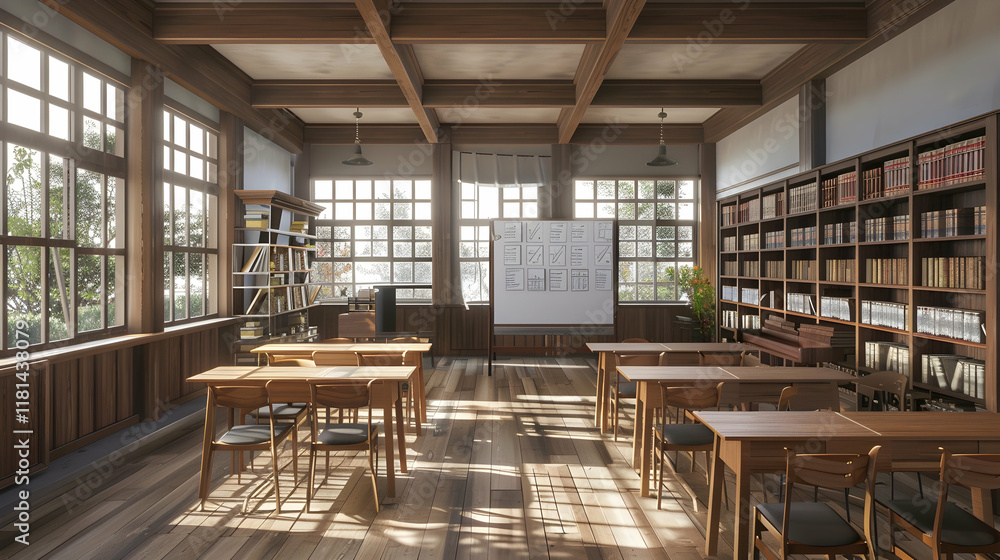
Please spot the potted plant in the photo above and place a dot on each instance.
(700, 295)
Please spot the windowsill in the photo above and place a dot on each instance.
(116, 342)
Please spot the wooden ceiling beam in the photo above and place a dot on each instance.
(513, 133)
(885, 20)
(127, 25)
(568, 22)
(752, 22)
(487, 93)
(327, 93)
(402, 61)
(271, 22)
(677, 93)
(596, 61)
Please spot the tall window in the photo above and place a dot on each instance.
(61, 148)
(190, 212)
(656, 231)
(373, 232)
(493, 186)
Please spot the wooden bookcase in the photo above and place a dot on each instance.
(917, 250)
(272, 259)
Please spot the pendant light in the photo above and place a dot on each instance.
(358, 158)
(661, 159)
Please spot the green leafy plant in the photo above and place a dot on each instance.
(700, 295)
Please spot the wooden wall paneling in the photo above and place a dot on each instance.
(105, 390)
(65, 406)
(125, 386)
(38, 451)
(85, 415)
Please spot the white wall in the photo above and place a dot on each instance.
(941, 71)
(754, 154)
(588, 160)
(38, 16)
(266, 166)
(390, 161)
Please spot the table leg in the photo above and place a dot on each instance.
(421, 392)
(390, 396)
(416, 385)
(599, 409)
(206, 453)
(716, 480)
(401, 431)
(743, 512)
(982, 507)
(643, 435)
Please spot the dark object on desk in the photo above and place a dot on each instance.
(810, 344)
(385, 309)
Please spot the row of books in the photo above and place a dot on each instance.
(803, 198)
(750, 322)
(730, 318)
(955, 163)
(836, 307)
(750, 295)
(751, 242)
(774, 269)
(892, 179)
(802, 270)
(960, 324)
(730, 293)
(800, 303)
(952, 222)
(749, 211)
(271, 300)
(887, 228)
(836, 234)
(840, 270)
(956, 373)
(953, 272)
(729, 244)
(842, 189)
(774, 239)
(729, 215)
(802, 237)
(751, 269)
(773, 205)
(887, 271)
(257, 216)
(887, 356)
(299, 226)
(730, 268)
(884, 314)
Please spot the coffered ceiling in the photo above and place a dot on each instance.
(537, 71)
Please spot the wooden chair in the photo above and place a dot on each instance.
(378, 359)
(945, 527)
(244, 437)
(623, 389)
(635, 340)
(288, 361)
(879, 388)
(785, 398)
(721, 359)
(683, 437)
(816, 528)
(338, 340)
(342, 436)
(749, 360)
(328, 358)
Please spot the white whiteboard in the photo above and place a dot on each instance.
(553, 272)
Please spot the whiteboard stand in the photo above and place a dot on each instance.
(552, 277)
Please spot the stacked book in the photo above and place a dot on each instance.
(952, 222)
(774, 240)
(774, 269)
(960, 324)
(884, 314)
(730, 268)
(299, 226)
(800, 303)
(953, 272)
(802, 270)
(897, 176)
(956, 373)
(952, 164)
(836, 307)
(887, 356)
(751, 242)
(802, 237)
(751, 269)
(729, 244)
(730, 293)
(887, 228)
(842, 189)
(802, 199)
(749, 211)
(750, 322)
(729, 215)
(257, 216)
(773, 205)
(750, 295)
(836, 234)
(251, 330)
(840, 270)
(730, 318)
(886, 271)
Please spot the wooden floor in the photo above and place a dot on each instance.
(509, 466)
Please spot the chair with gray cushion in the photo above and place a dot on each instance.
(621, 388)
(815, 527)
(942, 525)
(342, 436)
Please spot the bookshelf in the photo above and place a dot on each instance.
(895, 248)
(272, 260)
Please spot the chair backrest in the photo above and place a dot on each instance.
(816, 396)
(237, 396)
(720, 359)
(286, 361)
(785, 398)
(638, 359)
(344, 393)
(692, 398)
(287, 391)
(635, 340)
(749, 360)
(379, 359)
(680, 359)
(327, 358)
(339, 340)
(405, 339)
(971, 470)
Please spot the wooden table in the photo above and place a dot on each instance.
(753, 384)
(306, 349)
(607, 350)
(385, 396)
(751, 442)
